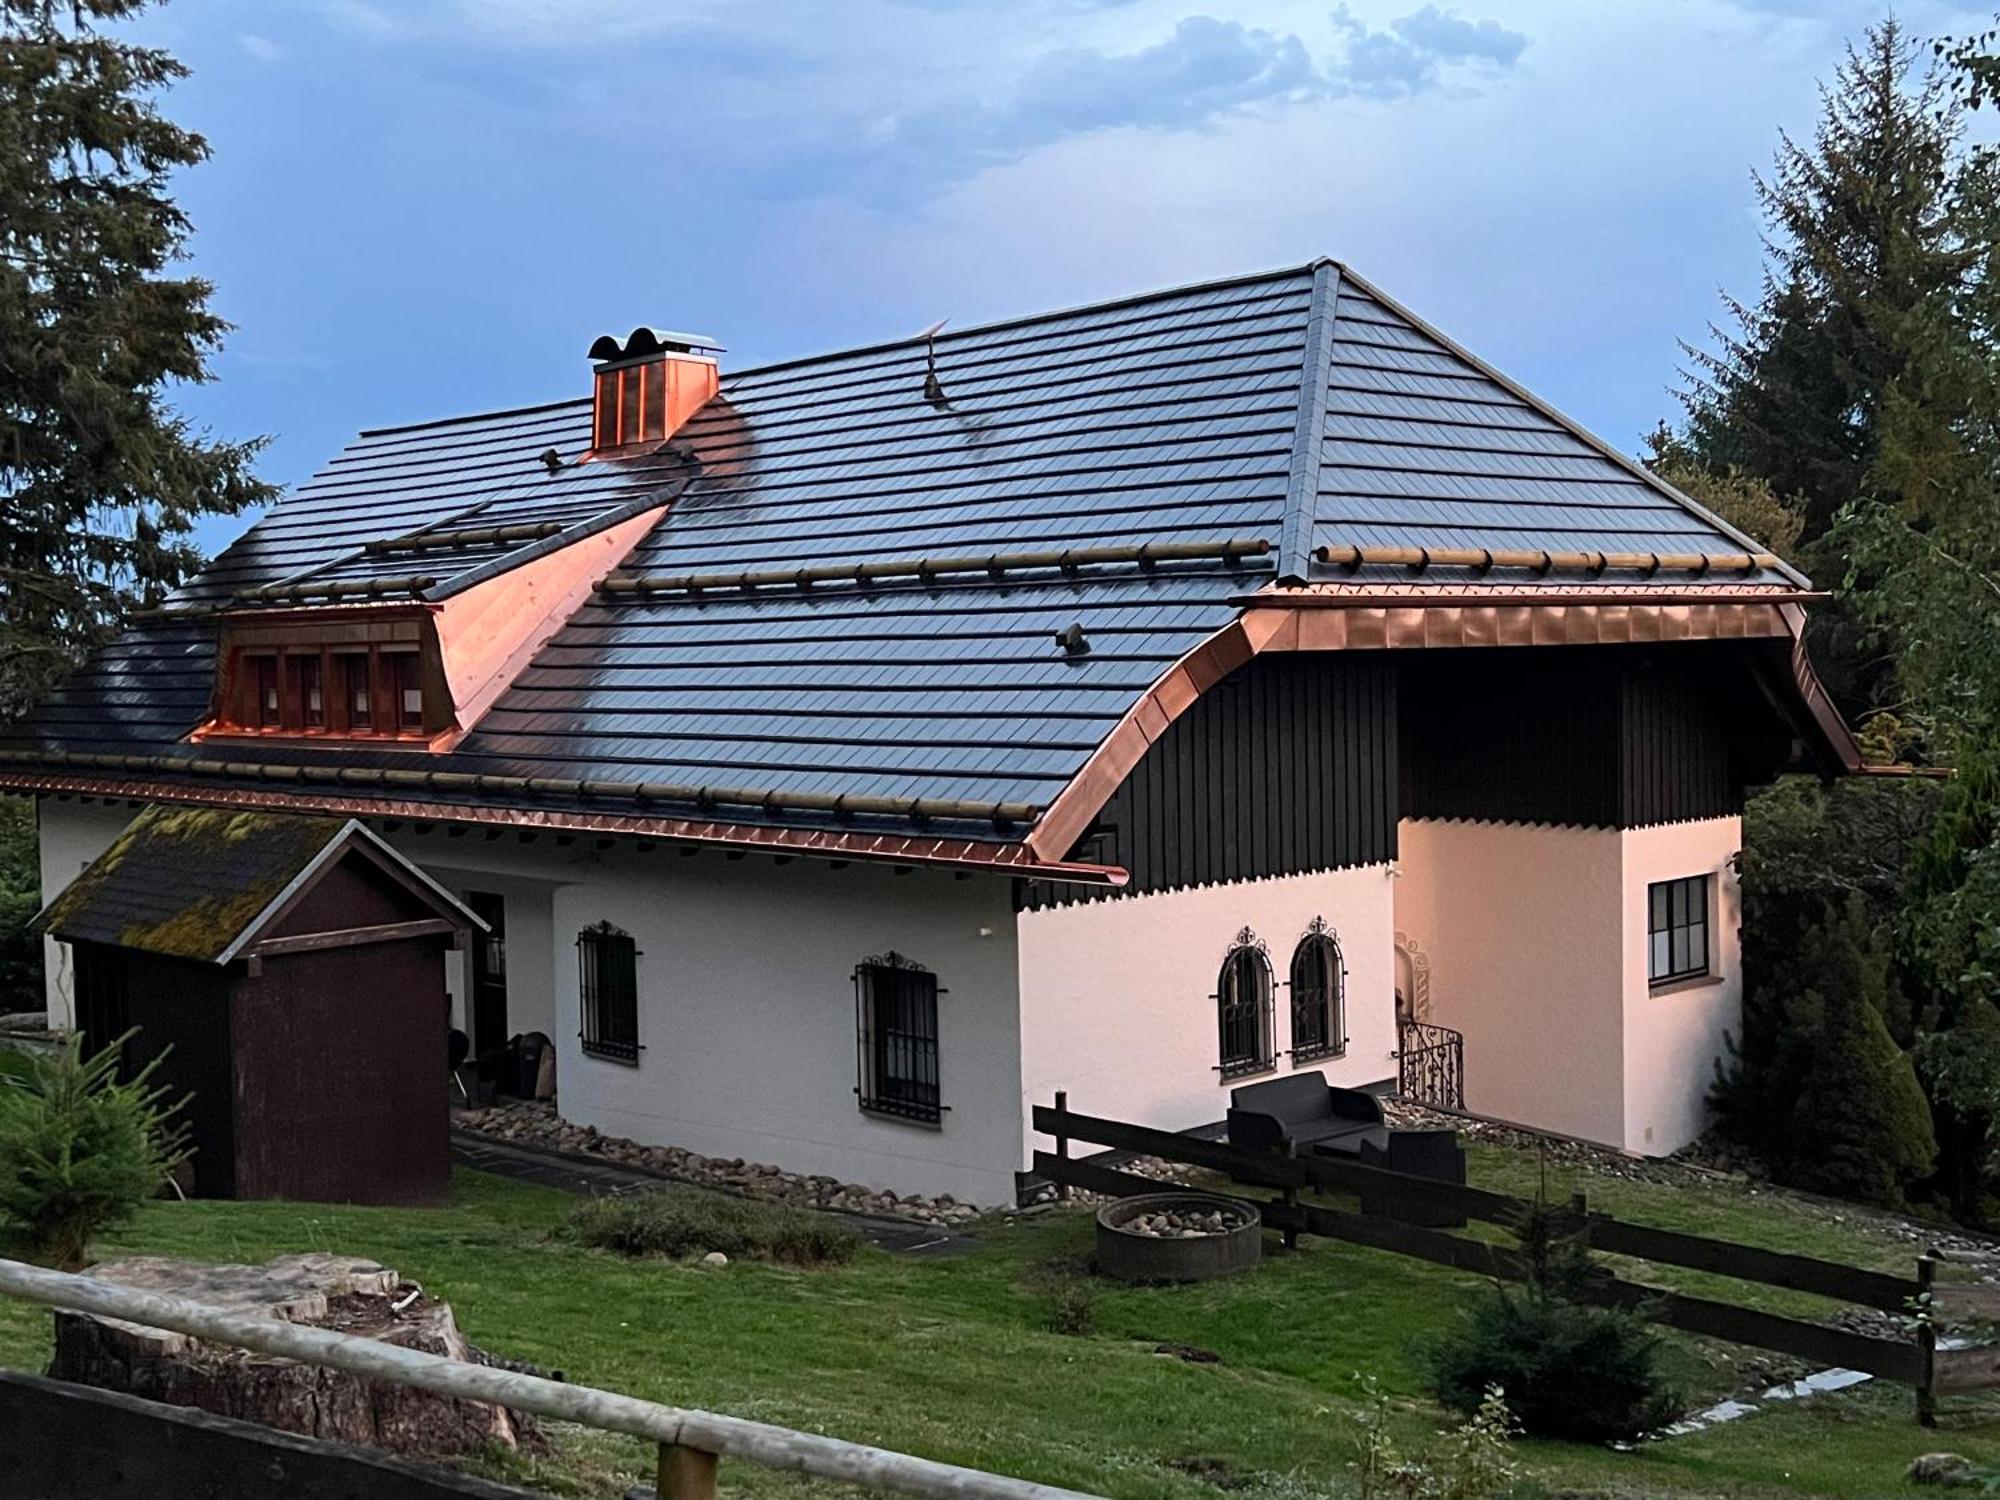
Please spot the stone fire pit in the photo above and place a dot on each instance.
(1177, 1237)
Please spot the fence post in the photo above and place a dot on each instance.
(1926, 1341)
(1291, 1196)
(1062, 1146)
(686, 1473)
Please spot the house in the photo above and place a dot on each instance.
(845, 754)
(285, 978)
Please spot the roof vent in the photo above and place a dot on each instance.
(647, 384)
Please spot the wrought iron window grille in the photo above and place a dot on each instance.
(896, 1040)
(1244, 1003)
(608, 994)
(1317, 985)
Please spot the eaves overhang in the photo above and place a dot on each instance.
(1322, 618)
(1012, 858)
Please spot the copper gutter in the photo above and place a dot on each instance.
(918, 809)
(1012, 858)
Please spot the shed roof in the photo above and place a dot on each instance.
(202, 883)
(1298, 409)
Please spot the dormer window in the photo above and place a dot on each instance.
(315, 675)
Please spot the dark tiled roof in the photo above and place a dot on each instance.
(1296, 407)
(187, 881)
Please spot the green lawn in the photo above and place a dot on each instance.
(952, 1359)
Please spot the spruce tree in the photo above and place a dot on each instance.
(1855, 333)
(102, 480)
(1861, 1126)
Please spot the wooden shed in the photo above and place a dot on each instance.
(295, 968)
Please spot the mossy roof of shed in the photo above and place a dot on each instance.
(186, 882)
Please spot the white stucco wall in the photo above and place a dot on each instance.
(1674, 1035)
(1524, 930)
(1537, 945)
(72, 834)
(746, 1014)
(1116, 996)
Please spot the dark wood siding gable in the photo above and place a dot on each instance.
(1286, 765)
(1594, 737)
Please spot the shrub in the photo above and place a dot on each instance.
(1072, 1304)
(1825, 1095)
(688, 1221)
(1569, 1369)
(80, 1149)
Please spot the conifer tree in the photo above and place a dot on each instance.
(101, 480)
(1838, 380)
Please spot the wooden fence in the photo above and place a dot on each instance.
(1916, 1362)
(690, 1441)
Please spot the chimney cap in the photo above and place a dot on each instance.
(642, 341)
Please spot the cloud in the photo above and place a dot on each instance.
(1412, 54)
(1207, 72)
(262, 48)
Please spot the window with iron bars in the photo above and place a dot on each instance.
(1319, 995)
(1243, 1009)
(608, 992)
(896, 1025)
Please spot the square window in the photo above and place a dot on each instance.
(1677, 929)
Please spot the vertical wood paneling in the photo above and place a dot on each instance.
(1285, 766)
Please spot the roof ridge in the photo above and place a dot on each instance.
(1302, 478)
(1019, 320)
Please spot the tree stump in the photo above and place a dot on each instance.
(322, 1291)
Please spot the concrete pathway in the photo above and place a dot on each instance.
(568, 1174)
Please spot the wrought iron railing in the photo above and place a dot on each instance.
(1430, 1064)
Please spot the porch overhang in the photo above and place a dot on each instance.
(1349, 617)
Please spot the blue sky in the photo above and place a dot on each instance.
(422, 207)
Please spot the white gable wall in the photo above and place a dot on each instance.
(1117, 996)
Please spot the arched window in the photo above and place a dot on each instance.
(1243, 1008)
(1319, 995)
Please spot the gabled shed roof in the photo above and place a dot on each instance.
(204, 883)
(1296, 410)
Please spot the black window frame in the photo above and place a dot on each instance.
(1238, 1018)
(1316, 984)
(608, 1021)
(897, 1057)
(1677, 916)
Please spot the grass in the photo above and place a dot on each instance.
(956, 1358)
(684, 1221)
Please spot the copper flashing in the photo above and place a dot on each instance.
(925, 568)
(1012, 858)
(1286, 620)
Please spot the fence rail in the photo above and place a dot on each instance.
(1916, 1362)
(690, 1440)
